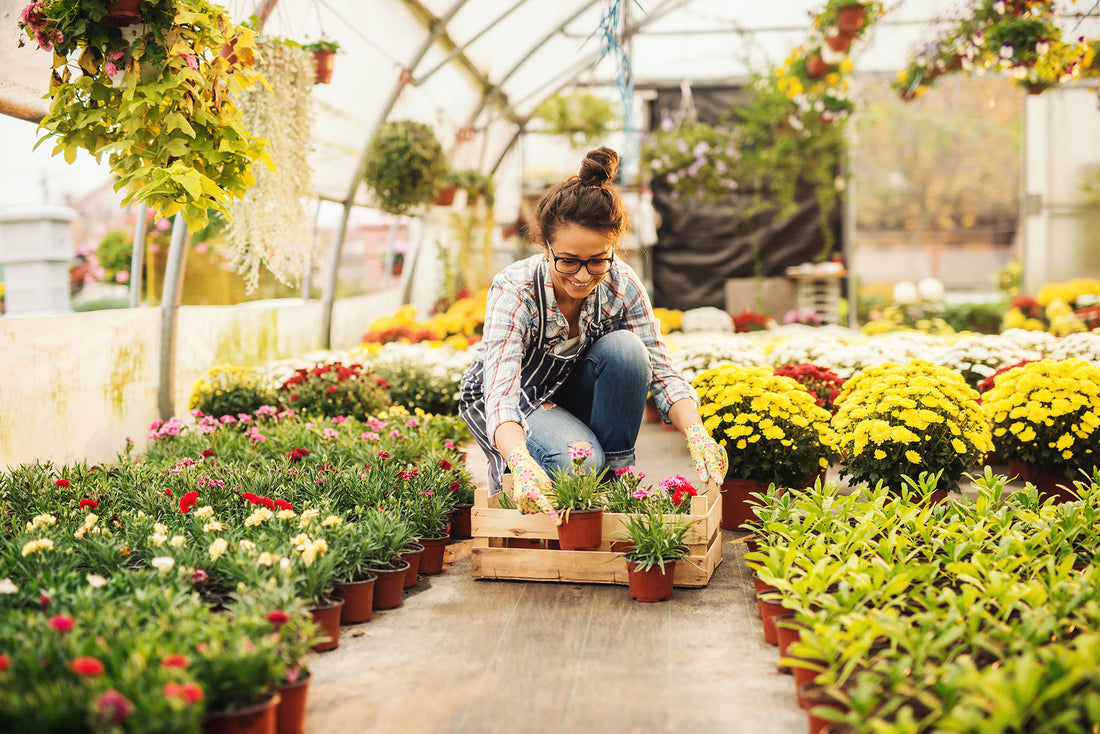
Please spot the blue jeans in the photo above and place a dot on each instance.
(601, 402)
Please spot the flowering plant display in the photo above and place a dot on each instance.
(771, 426)
(1046, 413)
(626, 494)
(579, 487)
(1083, 345)
(695, 159)
(898, 420)
(335, 389)
(655, 538)
(670, 319)
(751, 321)
(706, 318)
(692, 353)
(459, 325)
(822, 382)
(978, 357)
(421, 376)
(229, 390)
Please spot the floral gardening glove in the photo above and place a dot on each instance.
(708, 456)
(528, 483)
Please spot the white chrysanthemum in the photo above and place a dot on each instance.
(1083, 345)
(707, 318)
(1039, 341)
(979, 356)
(693, 353)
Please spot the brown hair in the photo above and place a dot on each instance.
(587, 200)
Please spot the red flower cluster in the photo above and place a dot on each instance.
(821, 382)
(444, 464)
(269, 503)
(278, 617)
(407, 475)
(987, 384)
(750, 321)
(189, 692)
(112, 707)
(682, 491)
(188, 500)
(62, 623)
(207, 453)
(61, 483)
(175, 660)
(5, 662)
(86, 667)
(1030, 307)
(297, 454)
(87, 504)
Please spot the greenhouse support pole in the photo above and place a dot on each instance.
(169, 310)
(307, 276)
(137, 260)
(328, 297)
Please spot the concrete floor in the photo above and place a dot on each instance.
(465, 655)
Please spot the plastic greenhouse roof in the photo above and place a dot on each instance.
(486, 64)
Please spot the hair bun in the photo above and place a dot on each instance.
(599, 167)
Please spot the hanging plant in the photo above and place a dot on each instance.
(270, 224)
(583, 118)
(405, 166)
(324, 54)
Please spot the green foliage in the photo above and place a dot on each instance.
(582, 117)
(696, 159)
(419, 386)
(476, 185)
(984, 317)
(322, 45)
(656, 538)
(115, 251)
(230, 390)
(405, 166)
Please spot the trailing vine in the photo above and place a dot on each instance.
(270, 224)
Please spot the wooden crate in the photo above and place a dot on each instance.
(492, 525)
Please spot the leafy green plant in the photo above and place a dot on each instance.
(656, 538)
(577, 488)
(321, 45)
(581, 117)
(405, 166)
(230, 390)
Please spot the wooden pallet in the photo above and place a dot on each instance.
(492, 526)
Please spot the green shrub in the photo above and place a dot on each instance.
(335, 389)
(229, 390)
(418, 386)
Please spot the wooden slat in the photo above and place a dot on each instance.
(492, 523)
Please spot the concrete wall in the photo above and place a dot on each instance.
(76, 385)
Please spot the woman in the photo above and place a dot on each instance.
(571, 348)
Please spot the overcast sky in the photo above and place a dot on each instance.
(36, 177)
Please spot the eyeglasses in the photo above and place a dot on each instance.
(571, 265)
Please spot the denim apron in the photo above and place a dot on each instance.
(541, 374)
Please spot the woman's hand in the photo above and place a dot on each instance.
(708, 456)
(529, 482)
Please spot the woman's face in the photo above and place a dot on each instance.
(578, 243)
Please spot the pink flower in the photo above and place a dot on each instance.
(329, 433)
(412, 423)
(112, 707)
(191, 60)
(62, 623)
(395, 434)
(227, 419)
(580, 450)
(244, 418)
(369, 436)
(448, 444)
(375, 425)
(266, 410)
(641, 494)
(340, 419)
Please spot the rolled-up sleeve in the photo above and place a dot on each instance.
(667, 385)
(509, 318)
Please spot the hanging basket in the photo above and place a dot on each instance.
(324, 61)
(816, 68)
(123, 12)
(851, 18)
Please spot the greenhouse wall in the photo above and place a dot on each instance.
(78, 385)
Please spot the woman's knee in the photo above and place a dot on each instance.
(623, 351)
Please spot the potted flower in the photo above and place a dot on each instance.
(899, 420)
(847, 16)
(427, 505)
(1045, 414)
(334, 389)
(405, 166)
(390, 534)
(578, 496)
(656, 543)
(694, 159)
(772, 429)
(172, 133)
(324, 53)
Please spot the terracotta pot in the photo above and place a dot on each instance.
(652, 585)
(358, 599)
(413, 554)
(431, 562)
(328, 619)
(324, 60)
(752, 542)
(787, 631)
(803, 676)
(389, 585)
(841, 42)
(851, 18)
(290, 713)
(1036, 88)
(1060, 488)
(583, 530)
(816, 67)
(770, 608)
(123, 12)
(523, 543)
(461, 516)
(446, 197)
(736, 509)
(227, 52)
(258, 718)
(816, 696)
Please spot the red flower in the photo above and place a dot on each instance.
(175, 660)
(61, 483)
(86, 667)
(383, 454)
(62, 623)
(206, 453)
(278, 617)
(188, 500)
(113, 707)
(297, 454)
(330, 389)
(87, 504)
(251, 497)
(5, 662)
(267, 502)
(682, 490)
(168, 492)
(191, 692)
(171, 689)
(283, 504)
(444, 464)
(200, 577)
(44, 601)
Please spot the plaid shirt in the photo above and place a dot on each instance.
(497, 388)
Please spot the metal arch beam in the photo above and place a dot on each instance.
(462, 49)
(328, 297)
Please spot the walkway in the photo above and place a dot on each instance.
(484, 656)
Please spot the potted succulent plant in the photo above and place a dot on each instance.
(405, 166)
(578, 496)
(657, 542)
(324, 54)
